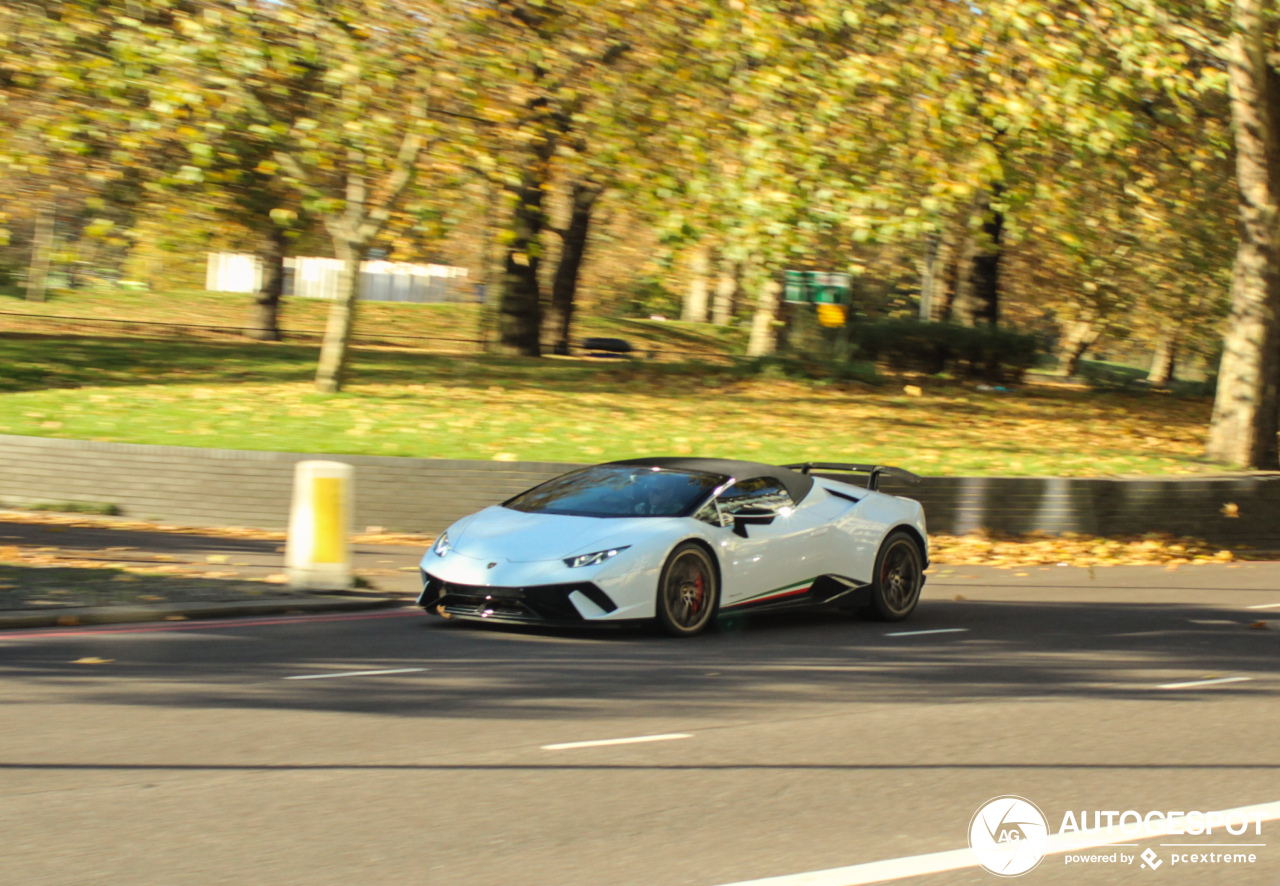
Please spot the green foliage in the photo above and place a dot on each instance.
(948, 347)
(8, 280)
(837, 134)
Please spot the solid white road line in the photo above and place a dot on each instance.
(922, 633)
(569, 745)
(355, 674)
(956, 859)
(1194, 683)
(1265, 606)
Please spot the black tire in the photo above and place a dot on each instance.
(898, 577)
(688, 591)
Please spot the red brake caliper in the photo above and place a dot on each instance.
(697, 586)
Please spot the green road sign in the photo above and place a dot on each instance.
(817, 287)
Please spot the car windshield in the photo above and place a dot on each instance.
(619, 491)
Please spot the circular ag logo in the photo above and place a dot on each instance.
(1009, 836)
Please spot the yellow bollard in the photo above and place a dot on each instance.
(318, 553)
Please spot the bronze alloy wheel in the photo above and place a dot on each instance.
(899, 576)
(688, 592)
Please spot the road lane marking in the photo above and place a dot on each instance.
(569, 745)
(355, 674)
(199, 624)
(922, 633)
(1265, 606)
(1214, 682)
(958, 859)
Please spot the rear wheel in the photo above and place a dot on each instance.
(899, 576)
(688, 592)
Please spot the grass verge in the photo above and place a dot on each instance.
(254, 396)
(443, 327)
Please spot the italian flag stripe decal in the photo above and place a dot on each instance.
(777, 593)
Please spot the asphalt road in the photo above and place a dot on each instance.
(185, 754)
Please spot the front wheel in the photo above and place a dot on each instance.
(688, 592)
(899, 576)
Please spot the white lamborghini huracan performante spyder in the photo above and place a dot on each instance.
(680, 540)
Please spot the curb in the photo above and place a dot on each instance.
(106, 615)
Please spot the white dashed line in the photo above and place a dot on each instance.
(355, 674)
(569, 745)
(1214, 682)
(958, 859)
(1266, 606)
(922, 633)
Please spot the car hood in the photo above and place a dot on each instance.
(502, 533)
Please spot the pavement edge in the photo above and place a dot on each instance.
(105, 615)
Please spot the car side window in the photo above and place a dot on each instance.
(758, 492)
(708, 513)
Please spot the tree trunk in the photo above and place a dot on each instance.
(1243, 429)
(930, 278)
(961, 306)
(695, 301)
(950, 255)
(985, 270)
(1079, 338)
(41, 252)
(764, 336)
(332, 369)
(485, 294)
(265, 322)
(520, 308)
(355, 227)
(726, 289)
(1163, 361)
(564, 287)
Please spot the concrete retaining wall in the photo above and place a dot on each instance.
(1098, 506)
(232, 487)
(248, 488)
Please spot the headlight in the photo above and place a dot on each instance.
(441, 547)
(593, 559)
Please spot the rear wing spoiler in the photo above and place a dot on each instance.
(875, 472)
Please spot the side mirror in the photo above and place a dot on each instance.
(750, 516)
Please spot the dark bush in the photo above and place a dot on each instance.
(976, 351)
(810, 368)
(645, 297)
(1111, 376)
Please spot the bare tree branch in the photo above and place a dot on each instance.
(297, 177)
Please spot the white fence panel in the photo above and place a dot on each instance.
(232, 272)
(314, 277)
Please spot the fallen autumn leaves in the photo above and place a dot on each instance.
(1072, 549)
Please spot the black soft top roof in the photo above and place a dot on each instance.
(796, 483)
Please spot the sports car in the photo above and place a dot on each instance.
(680, 541)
